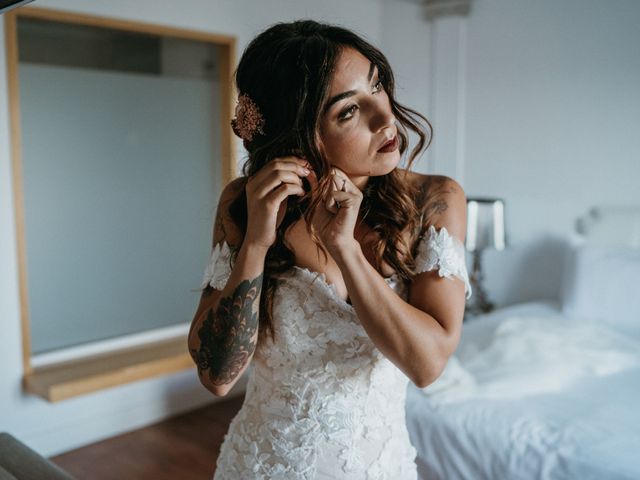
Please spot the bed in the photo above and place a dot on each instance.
(546, 390)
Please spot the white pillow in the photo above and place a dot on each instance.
(602, 284)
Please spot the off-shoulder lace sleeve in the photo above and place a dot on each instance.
(440, 250)
(219, 267)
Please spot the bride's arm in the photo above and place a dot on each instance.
(224, 330)
(421, 334)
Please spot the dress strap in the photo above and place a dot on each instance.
(438, 250)
(219, 267)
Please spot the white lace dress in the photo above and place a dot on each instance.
(322, 402)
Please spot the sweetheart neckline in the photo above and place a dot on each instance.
(322, 274)
(330, 286)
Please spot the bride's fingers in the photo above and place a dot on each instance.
(339, 182)
(341, 200)
(275, 180)
(284, 164)
(313, 180)
(277, 196)
(331, 205)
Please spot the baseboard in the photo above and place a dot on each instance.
(123, 409)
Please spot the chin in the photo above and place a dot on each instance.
(385, 166)
(377, 167)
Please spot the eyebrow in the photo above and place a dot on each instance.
(349, 93)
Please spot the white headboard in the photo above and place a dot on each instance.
(611, 226)
(600, 279)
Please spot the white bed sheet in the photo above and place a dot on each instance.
(588, 430)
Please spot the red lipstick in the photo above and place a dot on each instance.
(390, 146)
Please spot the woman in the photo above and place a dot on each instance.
(336, 274)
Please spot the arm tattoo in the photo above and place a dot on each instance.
(219, 227)
(433, 197)
(226, 334)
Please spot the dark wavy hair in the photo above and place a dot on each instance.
(287, 70)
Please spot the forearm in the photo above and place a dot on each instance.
(225, 333)
(413, 340)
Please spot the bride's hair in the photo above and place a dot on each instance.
(286, 71)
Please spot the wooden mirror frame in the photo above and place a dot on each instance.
(88, 374)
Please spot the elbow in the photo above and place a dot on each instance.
(218, 390)
(434, 360)
(425, 376)
(423, 380)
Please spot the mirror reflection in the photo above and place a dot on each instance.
(121, 166)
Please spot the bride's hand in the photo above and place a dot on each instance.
(335, 218)
(267, 192)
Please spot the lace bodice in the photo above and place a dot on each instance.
(322, 401)
(435, 250)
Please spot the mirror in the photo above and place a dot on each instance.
(121, 155)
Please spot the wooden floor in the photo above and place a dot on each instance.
(182, 448)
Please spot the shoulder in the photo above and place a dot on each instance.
(442, 202)
(231, 191)
(225, 228)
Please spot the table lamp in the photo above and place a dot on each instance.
(485, 229)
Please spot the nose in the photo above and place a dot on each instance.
(382, 117)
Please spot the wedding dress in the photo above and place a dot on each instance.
(322, 402)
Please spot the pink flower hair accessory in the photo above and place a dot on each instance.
(248, 120)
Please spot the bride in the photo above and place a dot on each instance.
(336, 274)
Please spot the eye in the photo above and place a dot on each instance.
(378, 86)
(348, 112)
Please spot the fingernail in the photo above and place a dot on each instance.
(306, 171)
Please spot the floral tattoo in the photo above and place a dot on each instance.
(226, 334)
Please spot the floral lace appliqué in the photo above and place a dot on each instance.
(218, 269)
(438, 250)
(322, 401)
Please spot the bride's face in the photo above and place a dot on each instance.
(358, 133)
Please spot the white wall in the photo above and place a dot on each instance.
(536, 102)
(55, 428)
(553, 100)
(531, 101)
(552, 108)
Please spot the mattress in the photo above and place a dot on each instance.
(530, 394)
